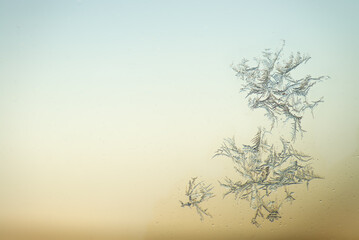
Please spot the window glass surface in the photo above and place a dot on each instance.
(111, 113)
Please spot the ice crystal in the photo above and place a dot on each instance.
(269, 85)
(198, 193)
(263, 168)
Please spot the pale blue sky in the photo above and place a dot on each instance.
(137, 90)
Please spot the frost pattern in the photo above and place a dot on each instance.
(269, 85)
(198, 193)
(263, 168)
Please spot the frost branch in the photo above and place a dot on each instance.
(198, 193)
(270, 86)
(262, 170)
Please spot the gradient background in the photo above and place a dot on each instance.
(107, 108)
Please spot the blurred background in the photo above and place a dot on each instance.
(108, 108)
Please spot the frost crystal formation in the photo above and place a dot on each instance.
(263, 168)
(198, 193)
(270, 85)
